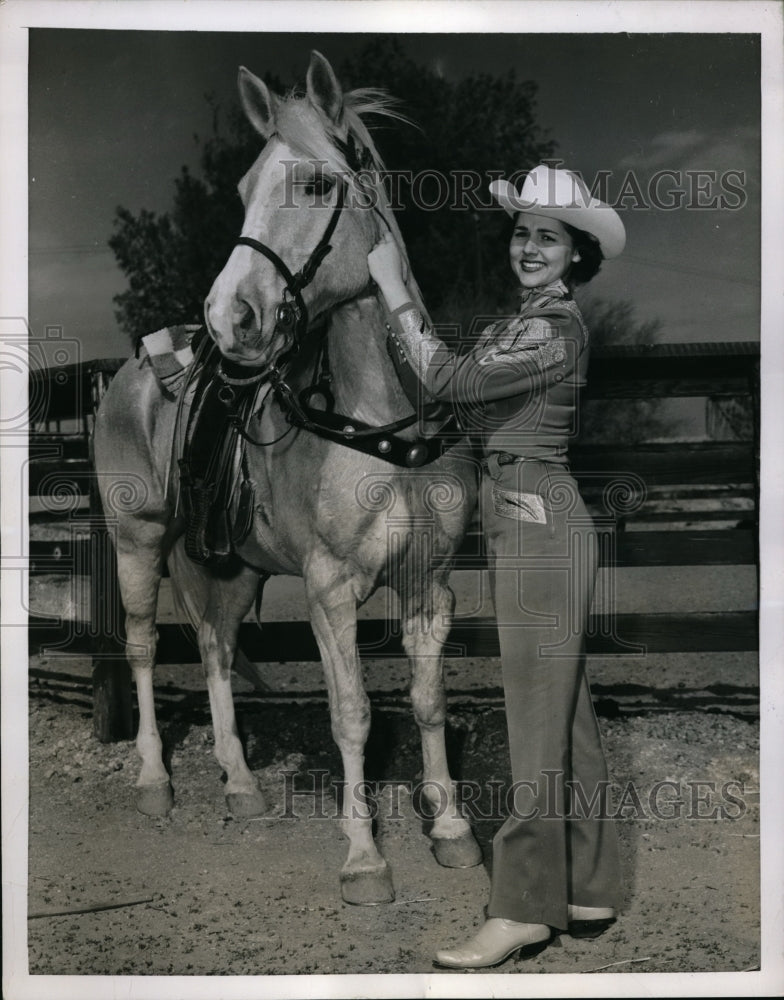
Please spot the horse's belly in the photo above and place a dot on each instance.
(264, 551)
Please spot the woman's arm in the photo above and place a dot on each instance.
(386, 269)
(545, 357)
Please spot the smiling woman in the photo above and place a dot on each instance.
(517, 391)
(540, 250)
(555, 241)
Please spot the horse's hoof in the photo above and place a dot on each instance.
(367, 888)
(155, 800)
(244, 805)
(457, 852)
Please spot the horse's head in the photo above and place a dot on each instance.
(310, 220)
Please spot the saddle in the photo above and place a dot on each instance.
(213, 465)
(215, 495)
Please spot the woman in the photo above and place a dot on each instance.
(555, 860)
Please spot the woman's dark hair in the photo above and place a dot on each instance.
(591, 256)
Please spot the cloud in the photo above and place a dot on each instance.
(691, 149)
(664, 148)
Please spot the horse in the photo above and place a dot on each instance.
(342, 496)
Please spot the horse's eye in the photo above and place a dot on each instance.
(320, 185)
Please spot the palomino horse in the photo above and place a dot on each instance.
(345, 519)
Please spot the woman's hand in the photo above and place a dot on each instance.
(386, 267)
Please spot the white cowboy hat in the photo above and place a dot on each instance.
(562, 195)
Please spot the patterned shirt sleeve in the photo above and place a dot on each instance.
(545, 353)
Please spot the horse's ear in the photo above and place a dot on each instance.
(258, 102)
(324, 91)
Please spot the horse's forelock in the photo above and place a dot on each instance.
(301, 127)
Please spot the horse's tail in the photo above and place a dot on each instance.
(190, 586)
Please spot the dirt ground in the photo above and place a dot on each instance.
(203, 893)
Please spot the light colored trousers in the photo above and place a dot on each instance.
(554, 848)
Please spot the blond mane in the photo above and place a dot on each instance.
(304, 129)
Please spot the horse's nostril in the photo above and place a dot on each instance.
(247, 318)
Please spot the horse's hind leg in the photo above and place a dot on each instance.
(139, 565)
(426, 618)
(228, 603)
(365, 878)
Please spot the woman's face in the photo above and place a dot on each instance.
(541, 250)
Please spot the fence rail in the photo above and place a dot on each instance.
(61, 477)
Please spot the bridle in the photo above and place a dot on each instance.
(292, 319)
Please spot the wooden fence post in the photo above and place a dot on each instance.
(756, 401)
(111, 675)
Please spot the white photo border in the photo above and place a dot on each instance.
(380, 16)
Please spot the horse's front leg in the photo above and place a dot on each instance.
(228, 603)
(426, 619)
(139, 566)
(365, 878)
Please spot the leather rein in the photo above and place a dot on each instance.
(291, 317)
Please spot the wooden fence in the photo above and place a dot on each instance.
(61, 476)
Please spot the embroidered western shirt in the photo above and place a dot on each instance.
(517, 389)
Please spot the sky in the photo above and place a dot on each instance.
(114, 115)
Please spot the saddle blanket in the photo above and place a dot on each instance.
(170, 351)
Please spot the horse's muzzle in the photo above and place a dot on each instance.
(237, 334)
